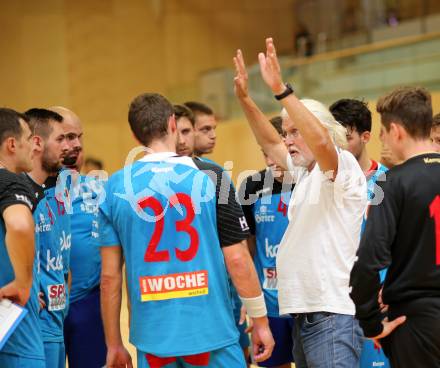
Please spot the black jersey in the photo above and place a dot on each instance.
(403, 234)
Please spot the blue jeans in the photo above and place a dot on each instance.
(326, 340)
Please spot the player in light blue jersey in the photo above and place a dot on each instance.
(177, 229)
(83, 329)
(265, 198)
(356, 117)
(18, 260)
(203, 138)
(50, 148)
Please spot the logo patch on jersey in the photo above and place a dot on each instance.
(264, 215)
(243, 223)
(23, 198)
(270, 278)
(173, 286)
(57, 297)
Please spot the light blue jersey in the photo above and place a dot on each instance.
(54, 242)
(25, 342)
(164, 213)
(85, 260)
(265, 203)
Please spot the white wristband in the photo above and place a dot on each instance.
(255, 307)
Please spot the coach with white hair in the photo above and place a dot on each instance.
(318, 250)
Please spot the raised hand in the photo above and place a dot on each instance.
(241, 76)
(270, 68)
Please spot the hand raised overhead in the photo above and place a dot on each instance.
(270, 68)
(241, 76)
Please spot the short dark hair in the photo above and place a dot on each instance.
(410, 107)
(353, 114)
(277, 122)
(181, 111)
(148, 117)
(199, 108)
(436, 120)
(10, 124)
(95, 162)
(39, 120)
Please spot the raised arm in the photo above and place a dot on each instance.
(266, 135)
(314, 133)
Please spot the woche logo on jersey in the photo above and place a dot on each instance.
(173, 286)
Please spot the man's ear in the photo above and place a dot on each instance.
(38, 143)
(11, 144)
(397, 131)
(365, 137)
(172, 126)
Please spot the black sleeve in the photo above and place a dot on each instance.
(248, 208)
(231, 223)
(14, 190)
(374, 255)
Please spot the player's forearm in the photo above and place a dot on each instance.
(242, 271)
(111, 297)
(266, 135)
(20, 244)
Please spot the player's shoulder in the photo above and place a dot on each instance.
(8, 178)
(12, 184)
(206, 164)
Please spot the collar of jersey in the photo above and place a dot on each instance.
(159, 156)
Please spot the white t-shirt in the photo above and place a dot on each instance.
(318, 249)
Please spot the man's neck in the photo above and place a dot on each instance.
(37, 174)
(414, 148)
(8, 165)
(364, 161)
(161, 146)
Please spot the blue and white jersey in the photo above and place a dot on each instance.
(265, 202)
(52, 276)
(85, 195)
(26, 340)
(171, 219)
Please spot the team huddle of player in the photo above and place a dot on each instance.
(319, 250)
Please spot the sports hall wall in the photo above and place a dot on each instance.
(95, 56)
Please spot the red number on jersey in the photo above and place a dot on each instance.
(282, 207)
(152, 254)
(434, 209)
(185, 225)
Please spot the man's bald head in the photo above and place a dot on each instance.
(74, 133)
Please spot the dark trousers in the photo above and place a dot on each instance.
(84, 333)
(416, 343)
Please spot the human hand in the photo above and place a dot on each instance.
(388, 327)
(262, 340)
(16, 292)
(270, 68)
(241, 76)
(41, 300)
(118, 357)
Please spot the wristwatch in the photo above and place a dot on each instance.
(288, 91)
